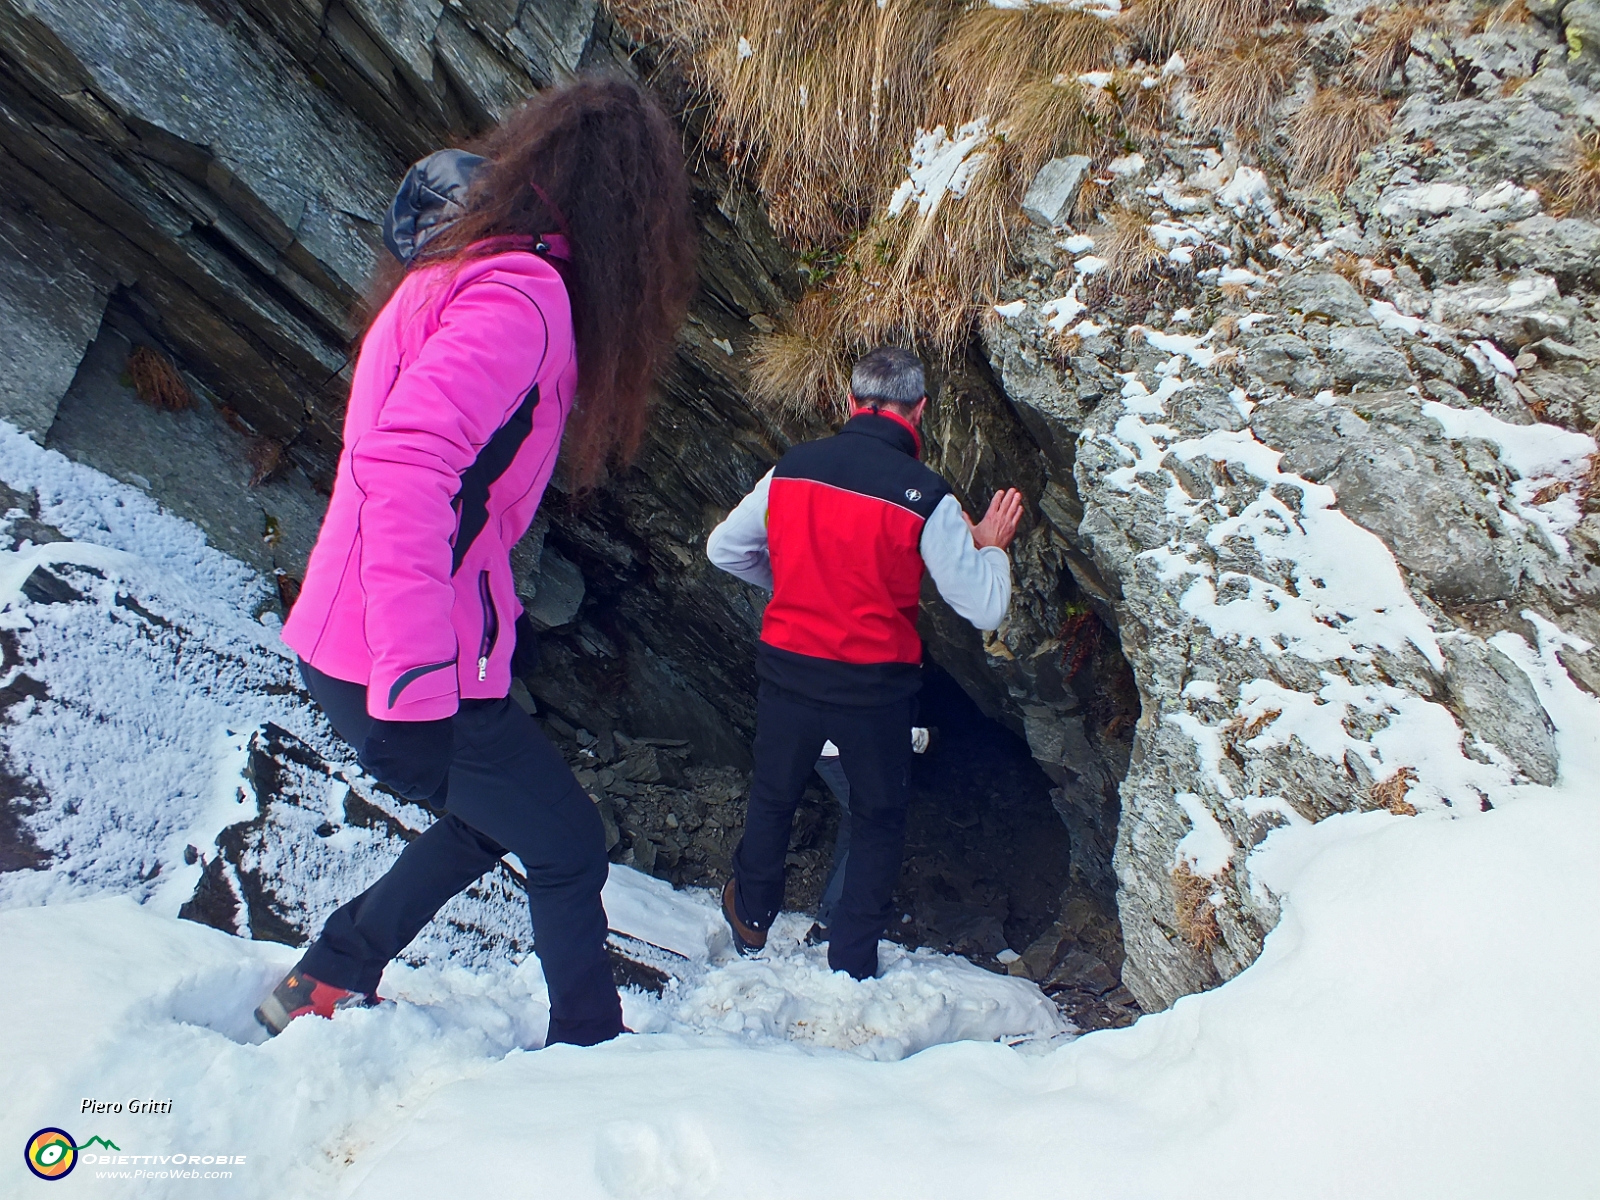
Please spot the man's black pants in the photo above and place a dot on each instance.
(508, 789)
(875, 751)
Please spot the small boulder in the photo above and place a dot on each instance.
(1363, 359)
(1326, 295)
(1054, 190)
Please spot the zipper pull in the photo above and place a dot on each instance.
(483, 669)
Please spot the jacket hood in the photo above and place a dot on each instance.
(432, 194)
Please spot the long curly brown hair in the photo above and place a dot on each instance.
(598, 160)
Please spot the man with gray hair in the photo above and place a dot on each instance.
(840, 532)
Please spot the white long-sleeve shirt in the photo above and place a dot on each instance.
(975, 582)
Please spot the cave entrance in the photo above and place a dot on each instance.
(987, 871)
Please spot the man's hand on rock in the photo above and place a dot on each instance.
(999, 524)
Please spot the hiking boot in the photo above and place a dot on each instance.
(300, 994)
(745, 939)
(817, 935)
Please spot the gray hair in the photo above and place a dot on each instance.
(888, 375)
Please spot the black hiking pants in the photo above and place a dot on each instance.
(508, 790)
(875, 752)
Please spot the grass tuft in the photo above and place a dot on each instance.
(156, 381)
(993, 53)
(1193, 912)
(1577, 187)
(1384, 50)
(1130, 252)
(1189, 26)
(1501, 16)
(815, 99)
(1330, 133)
(1240, 86)
(1589, 485)
(1391, 793)
(804, 366)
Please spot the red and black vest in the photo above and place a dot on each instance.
(844, 529)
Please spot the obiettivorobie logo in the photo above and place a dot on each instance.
(51, 1153)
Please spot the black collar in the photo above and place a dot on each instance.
(894, 431)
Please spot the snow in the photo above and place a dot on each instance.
(1419, 1022)
(1060, 312)
(1192, 348)
(1495, 358)
(1399, 1037)
(1389, 317)
(1206, 849)
(788, 996)
(1544, 458)
(648, 908)
(1248, 188)
(1415, 733)
(1078, 243)
(1012, 310)
(939, 165)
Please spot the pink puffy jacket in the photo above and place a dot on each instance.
(461, 391)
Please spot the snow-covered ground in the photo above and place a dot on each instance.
(1421, 1023)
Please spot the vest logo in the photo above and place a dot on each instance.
(913, 495)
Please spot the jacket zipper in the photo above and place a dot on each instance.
(491, 626)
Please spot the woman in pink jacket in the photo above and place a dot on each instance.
(546, 307)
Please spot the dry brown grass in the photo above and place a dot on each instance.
(1193, 912)
(1391, 793)
(1048, 119)
(156, 381)
(1384, 49)
(1130, 252)
(1501, 16)
(1330, 133)
(1343, 262)
(1589, 485)
(1239, 87)
(821, 109)
(802, 367)
(1188, 26)
(1577, 187)
(993, 53)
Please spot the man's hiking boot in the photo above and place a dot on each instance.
(745, 939)
(300, 994)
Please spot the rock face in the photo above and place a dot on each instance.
(1324, 508)
(1299, 501)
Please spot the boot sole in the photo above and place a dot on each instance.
(273, 1016)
